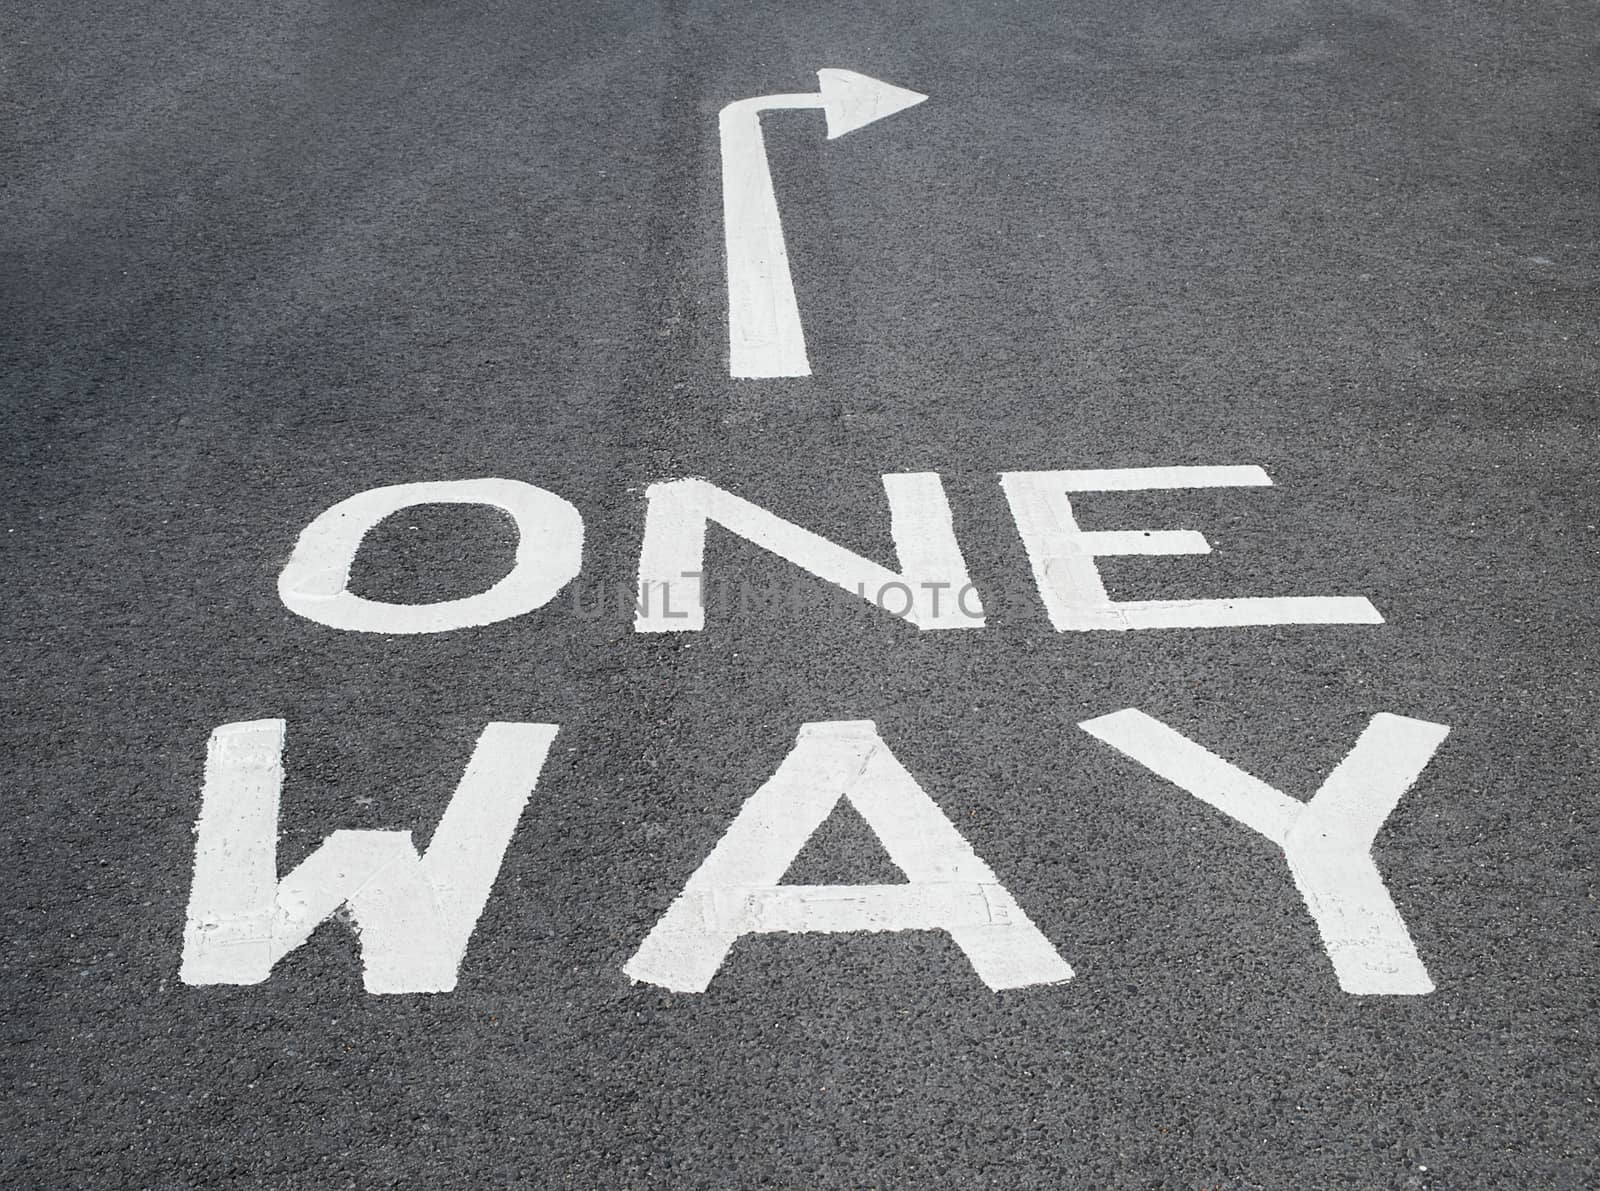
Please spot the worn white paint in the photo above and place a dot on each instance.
(315, 582)
(1063, 555)
(1327, 841)
(415, 913)
(736, 891)
(925, 591)
(765, 337)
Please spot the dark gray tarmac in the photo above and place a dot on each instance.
(259, 258)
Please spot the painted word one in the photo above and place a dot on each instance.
(933, 586)
(417, 911)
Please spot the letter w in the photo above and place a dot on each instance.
(414, 913)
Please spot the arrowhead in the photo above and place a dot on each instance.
(851, 101)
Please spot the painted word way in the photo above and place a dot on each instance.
(416, 911)
(931, 588)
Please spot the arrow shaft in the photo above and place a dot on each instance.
(765, 338)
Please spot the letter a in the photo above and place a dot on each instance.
(735, 892)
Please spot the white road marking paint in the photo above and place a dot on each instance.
(933, 572)
(314, 584)
(415, 913)
(932, 590)
(765, 338)
(1074, 595)
(735, 892)
(1327, 841)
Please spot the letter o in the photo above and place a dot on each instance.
(911, 599)
(314, 583)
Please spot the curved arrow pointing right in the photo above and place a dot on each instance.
(765, 338)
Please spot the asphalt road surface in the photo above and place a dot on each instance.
(260, 259)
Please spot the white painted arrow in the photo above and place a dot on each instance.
(764, 334)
